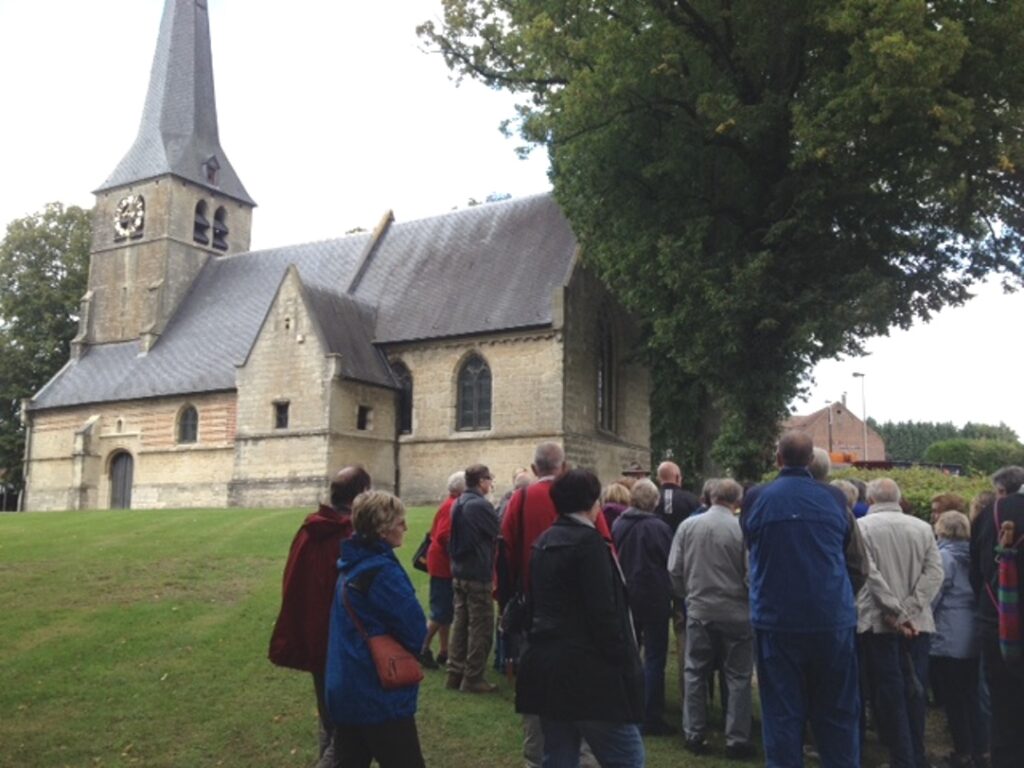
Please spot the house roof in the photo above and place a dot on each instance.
(489, 268)
(178, 133)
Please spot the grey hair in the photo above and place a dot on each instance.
(849, 491)
(953, 524)
(644, 495)
(884, 490)
(820, 464)
(726, 491)
(1008, 479)
(457, 481)
(548, 458)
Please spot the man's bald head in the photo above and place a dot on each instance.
(796, 449)
(669, 472)
(347, 484)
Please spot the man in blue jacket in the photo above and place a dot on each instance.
(807, 563)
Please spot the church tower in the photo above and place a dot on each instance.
(173, 201)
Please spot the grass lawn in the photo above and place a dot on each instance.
(140, 638)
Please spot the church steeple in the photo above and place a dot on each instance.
(172, 203)
(178, 134)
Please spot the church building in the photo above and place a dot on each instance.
(207, 375)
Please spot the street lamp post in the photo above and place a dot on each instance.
(864, 410)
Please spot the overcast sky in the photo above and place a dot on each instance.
(332, 114)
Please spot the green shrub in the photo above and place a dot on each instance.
(985, 456)
(920, 484)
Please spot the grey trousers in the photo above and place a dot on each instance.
(327, 758)
(733, 644)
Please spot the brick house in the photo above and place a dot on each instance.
(836, 429)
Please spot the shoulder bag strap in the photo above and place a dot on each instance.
(348, 605)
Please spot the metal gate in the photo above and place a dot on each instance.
(121, 481)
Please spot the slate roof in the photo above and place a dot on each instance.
(178, 132)
(489, 268)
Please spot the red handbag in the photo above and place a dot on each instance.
(396, 667)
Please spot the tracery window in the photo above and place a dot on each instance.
(606, 384)
(474, 394)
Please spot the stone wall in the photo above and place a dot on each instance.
(588, 308)
(526, 398)
(70, 451)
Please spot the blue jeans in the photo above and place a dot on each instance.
(899, 673)
(653, 636)
(809, 676)
(615, 745)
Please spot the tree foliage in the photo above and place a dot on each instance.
(44, 260)
(984, 456)
(909, 440)
(766, 185)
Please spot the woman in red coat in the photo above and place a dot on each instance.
(439, 568)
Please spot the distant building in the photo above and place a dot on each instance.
(204, 374)
(836, 429)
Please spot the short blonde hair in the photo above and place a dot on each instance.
(616, 493)
(374, 513)
(644, 495)
(953, 524)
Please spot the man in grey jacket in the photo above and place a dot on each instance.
(475, 528)
(708, 567)
(895, 620)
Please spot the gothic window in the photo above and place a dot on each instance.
(281, 414)
(220, 229)
(188, 425)
(606, 385)
(201, 228)
(474, 396)
(404, 378)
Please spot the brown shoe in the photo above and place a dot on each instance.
(477, 686)
(453, 681)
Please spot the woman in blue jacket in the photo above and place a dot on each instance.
(370, 722)
(954, 646)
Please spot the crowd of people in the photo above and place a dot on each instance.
(852, 612)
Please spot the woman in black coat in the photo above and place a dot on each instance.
(581, 671)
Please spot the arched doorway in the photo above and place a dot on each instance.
(121, 467)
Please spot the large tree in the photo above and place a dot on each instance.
(766, 184)
(44, 264)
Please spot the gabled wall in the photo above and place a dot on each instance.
(286, 364)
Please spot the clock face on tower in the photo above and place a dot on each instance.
(129, 217)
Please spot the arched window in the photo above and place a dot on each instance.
(121, 470)
(474, 404)
(220, 229)
(606, 389)
(188, 425)
(404, 378)
(201, 228)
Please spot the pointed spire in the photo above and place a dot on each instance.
(178, 133)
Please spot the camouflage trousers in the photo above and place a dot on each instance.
(472, 629)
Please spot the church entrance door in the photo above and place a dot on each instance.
(121, 481)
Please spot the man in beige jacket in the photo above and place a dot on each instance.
(895, 619)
